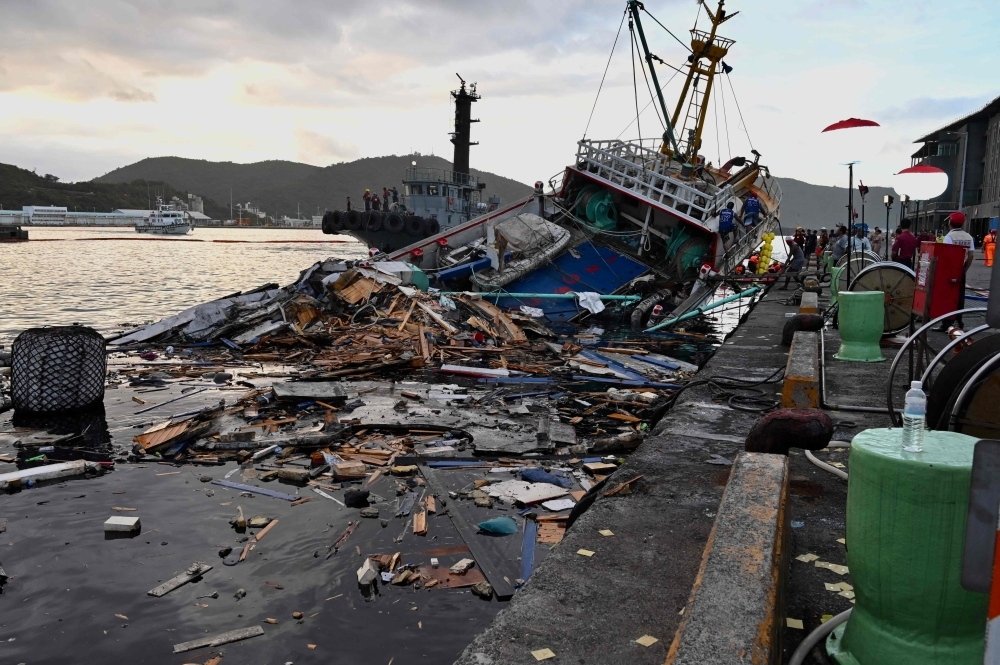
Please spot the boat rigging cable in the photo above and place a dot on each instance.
(643, 8)
(610, 55)
(742, 121)
(635, 90)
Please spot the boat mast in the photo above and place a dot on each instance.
(668, 134)
(704, 47)
(460, 137)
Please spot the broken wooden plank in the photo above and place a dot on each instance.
(195, 571)
(437, 319)
(407, 317)
(420, 523)
(220, 639)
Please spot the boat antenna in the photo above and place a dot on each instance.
(668, 134)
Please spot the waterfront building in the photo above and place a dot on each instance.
(968, 150)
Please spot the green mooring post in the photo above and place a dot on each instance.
(861, 322)
(905, 535)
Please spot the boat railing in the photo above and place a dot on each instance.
(741, 250)
(419, 174)
(639, 166)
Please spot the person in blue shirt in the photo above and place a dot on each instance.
(726, 217)
(751, 209)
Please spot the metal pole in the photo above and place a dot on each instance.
(886, 236)
(633, 6)
(683, 317)
(850, 218)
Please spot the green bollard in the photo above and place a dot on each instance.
(905, 536)
(861, 320)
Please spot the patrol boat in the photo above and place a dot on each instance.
(434, 200)
(166, 220)
(627, 217)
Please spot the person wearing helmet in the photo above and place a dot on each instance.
(958, 236)
(368, 200)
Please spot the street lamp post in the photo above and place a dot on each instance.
(888, 204)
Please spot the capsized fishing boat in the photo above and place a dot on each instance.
(628, 220)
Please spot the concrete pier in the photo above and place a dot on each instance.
(671, 569)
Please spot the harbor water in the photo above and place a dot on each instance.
(105, 277)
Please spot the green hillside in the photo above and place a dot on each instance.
(283, 187)
(20, 187)
(813, 206)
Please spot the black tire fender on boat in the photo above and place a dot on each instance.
(432, 228)
(353, 221)
(374, 221)
(327, 223)
(414, 225)
(337, 221)
(394, 223)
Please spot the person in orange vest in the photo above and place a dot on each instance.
(989, 246)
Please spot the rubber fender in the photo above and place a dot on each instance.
(782, 429)
(808, 322)
(432, 227)
(374, 221)
(414, 225)
(337, 220)
(327, 223)
(394, 223)
(353, 220)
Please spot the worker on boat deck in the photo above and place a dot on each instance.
(877, 241)
(349, 206)
(395, 195)
(989, 247)
(376, 205)
(905, 246)
(800, 236)
(751, 210)
(726, 216)
(796, 261)
(839, 244)
(385, 198)
(958, 236)
(368, 200)
(812, 240)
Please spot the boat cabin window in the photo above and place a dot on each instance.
(406, 190)
(418, 190)
(432, 190)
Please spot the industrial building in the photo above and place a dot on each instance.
(62, 216)
(968, 150)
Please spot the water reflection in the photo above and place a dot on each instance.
(105, 277)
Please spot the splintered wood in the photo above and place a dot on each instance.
(551, 533)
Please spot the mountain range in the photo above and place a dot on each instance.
(285, 187)
(289, 187)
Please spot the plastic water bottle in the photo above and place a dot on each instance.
(914, 414)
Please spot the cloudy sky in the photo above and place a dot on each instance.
(86, 87)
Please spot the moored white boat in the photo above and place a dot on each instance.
(165, 220)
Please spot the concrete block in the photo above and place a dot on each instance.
(122, 524)
(810, 303)
(801, 386)
(734, 614)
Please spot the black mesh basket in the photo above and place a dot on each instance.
(57, 369)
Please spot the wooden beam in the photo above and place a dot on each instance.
(194, 572)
